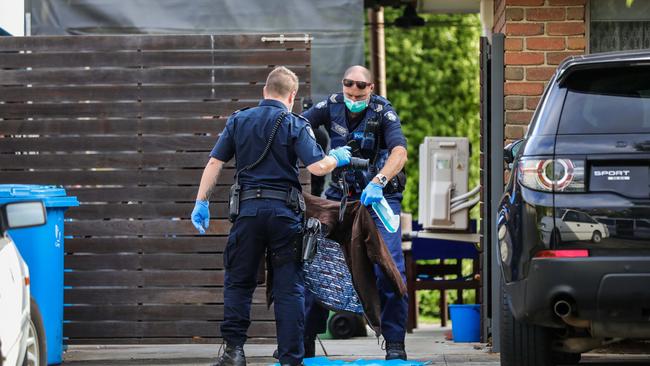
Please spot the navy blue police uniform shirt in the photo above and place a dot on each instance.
(391, 127)
(246, 135)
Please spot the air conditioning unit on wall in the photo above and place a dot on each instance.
(443, 197)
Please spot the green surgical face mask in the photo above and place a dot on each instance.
(356, 107)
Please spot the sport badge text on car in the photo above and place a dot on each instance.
(613, 174)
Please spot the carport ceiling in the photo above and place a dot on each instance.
(431, 6)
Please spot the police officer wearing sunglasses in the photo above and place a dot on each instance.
(368, 122)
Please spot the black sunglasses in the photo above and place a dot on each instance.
(360, 84)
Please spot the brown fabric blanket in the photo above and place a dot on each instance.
(362, 246)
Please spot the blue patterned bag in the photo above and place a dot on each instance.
(327, 276)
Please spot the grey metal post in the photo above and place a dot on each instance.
(496, 174)
(27, 18)
(486, 306)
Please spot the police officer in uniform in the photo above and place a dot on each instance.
(370, 121)
(270, 217)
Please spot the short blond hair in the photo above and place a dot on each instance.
(281, 82)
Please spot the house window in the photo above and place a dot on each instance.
(613, 26)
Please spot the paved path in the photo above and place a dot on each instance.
(427, 344)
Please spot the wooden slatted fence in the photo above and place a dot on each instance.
(125, 123)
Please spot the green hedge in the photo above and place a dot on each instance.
(432, 77)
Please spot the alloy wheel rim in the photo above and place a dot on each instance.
(33, 347)
(597, 238)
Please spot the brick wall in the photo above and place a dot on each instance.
(539, 35)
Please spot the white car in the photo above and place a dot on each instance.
(573, 226)
(21, 326)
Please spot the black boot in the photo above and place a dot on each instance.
(395, 351)
(233, 356)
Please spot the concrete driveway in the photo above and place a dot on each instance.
(426, 344)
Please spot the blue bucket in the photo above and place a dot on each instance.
(465, 322)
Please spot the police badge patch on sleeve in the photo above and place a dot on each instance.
(391, 116)
(321, 105)
(310, 132)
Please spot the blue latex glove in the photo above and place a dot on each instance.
(342, 155)
(372, 193)
(201, 216)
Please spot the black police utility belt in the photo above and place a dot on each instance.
(292, 196)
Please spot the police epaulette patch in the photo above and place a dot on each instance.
(333, 98)
(378, 99)
(301, 117)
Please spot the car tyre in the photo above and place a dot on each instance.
(596, 237)
(36, 352)
(522, 344)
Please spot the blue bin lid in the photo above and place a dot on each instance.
(52, 196)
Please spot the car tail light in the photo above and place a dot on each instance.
(27, 281)
(566, 253)
(552, 175)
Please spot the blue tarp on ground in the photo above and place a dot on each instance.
(324, 361)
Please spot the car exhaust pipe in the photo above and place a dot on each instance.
(564, 310)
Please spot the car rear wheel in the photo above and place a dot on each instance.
(596, 237)
(523, 344)
(36, 352)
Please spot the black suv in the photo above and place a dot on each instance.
(574, 223)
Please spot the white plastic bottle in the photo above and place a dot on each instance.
(386, 215)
